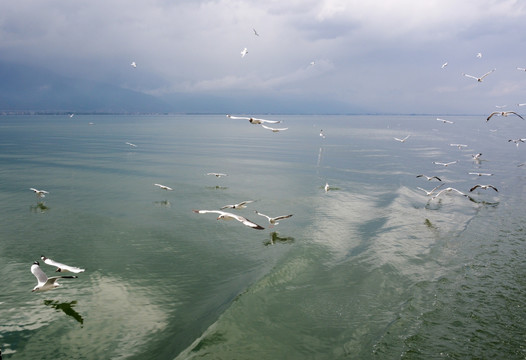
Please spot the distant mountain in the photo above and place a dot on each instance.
(25, 88)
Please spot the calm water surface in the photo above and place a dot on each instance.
(371, 269)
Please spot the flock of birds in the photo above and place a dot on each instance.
(437, 190)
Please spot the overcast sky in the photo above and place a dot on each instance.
(370, 55)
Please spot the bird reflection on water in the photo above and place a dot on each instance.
(275, 238)
(66, 307)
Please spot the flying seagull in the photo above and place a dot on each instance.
(274, 220)
(479, 55)
(61, 267)
(229, 216)
(484, 187)
(164, 187)
(431, 192)
(516, 141)
(244, 52)
(480, 174)
(503, 113)
(45, 283)
(479, 79)
(521, 69)
(445, 164)
(273, 129)
(132, 145)
(429, 177)
(476, 156)
(133, 64)
(402, 140)
(254, 120)
(240, 205)
(444, 65)
(448, 190)
(40, 193)
(460, 146)
(445, 121)
(255, 32)
(216, 174)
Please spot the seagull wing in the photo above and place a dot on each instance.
(260, 214)
(246, 222)
(238, 117)
(283, 217)
(486, 74)
(268, 121)
(39, 274)
(514, 113)
(61, 267)
(471, 76)
(493, 113)
(474, 187)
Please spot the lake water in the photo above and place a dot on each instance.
(371, 269)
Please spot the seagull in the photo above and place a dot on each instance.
(480, 174)
(40, 193)
(273, 220)
(164, 187)
(255, 32)
(229, 216)
(312, 63)
(517, 141)
(522, 104)
(476, 156)
(479, 55)
(322, 134)
(484, 187)
(445, 164)
(61, 267)
(132, 145)
(521, 69)
(254, 120)
(240, 205)
(445, 121)
(460, 146)
(444, 65)
(447, 190)
(429, 193)
(402, 140)
(45, 283)
(273, 129)
(503, 113)
(429, 177)
(244, 52)
(216, 174)
(133, 64)
(326, 187)
(71, 115)
(479, 79)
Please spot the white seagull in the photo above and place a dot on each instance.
(476, 156)
(326, 187)
(483, 187)
(274, 220)
(61, 267)
(444, 65)
(479, 79)
(445, 121)
(229, 216)
(216, 174)
(40, 193)
(447, 190)
(45, 283)
(517, 141)
(133, 64)
(240, 205)
(254, 120)
(521, 69)
(503, 113)
(132, 145)
(460, 146)
(431, 192)
(479, 55)
(445, 164)
(480, 174)
(164, 187)
(244, 52)
(273, 129)
(429, 177)
(402, 140)
(322, 134)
